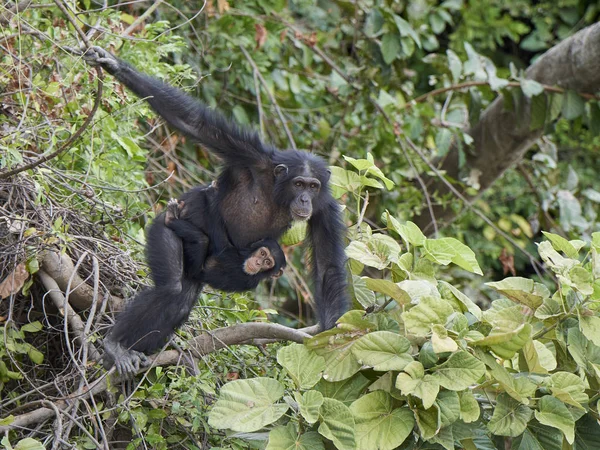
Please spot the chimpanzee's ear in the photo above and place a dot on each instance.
(278, 274)
(280, 169)
(328, 174)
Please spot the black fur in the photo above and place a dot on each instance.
(223, 270)
(261, 190)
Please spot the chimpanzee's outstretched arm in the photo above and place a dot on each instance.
(236, 146)
(326, 232)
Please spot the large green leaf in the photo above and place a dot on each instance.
(303, 365)
(248, 405)
(388, 288)
(469, 407)
(378, 425)
(346, 390)
(414, 382)
(505, 340)
(522, 290)
(383, 350)
(447, 250)
(287, 438)
(337, 424)
(554, 413)
(459, 372)
(510, 417)
(590, 327)
(568, 388)
(310, 404)
(430, 311)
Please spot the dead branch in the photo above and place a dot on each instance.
(61, 269)
(207, 342)
(75, 323)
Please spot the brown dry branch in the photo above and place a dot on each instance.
(207, 342)
(76, 324)
(61, 269)
(501, 137)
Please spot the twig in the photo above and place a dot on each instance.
(8, 13)
(8, 173)
(410, 162)
(271, 97)
(202, 345)
(141, 18)
(75, 322)
(468, 84)
(70, 18)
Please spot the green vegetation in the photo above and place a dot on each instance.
(440, 348)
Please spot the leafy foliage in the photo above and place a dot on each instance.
(424, 359)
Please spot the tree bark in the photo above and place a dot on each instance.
(502, 137)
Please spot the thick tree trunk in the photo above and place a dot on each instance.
(502, 137)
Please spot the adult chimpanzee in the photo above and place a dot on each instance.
(261, 191)
(230, 270)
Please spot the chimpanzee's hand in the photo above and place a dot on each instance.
(97, 56)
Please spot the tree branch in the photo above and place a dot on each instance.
(502, 137)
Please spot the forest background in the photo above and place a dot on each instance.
(464, 143)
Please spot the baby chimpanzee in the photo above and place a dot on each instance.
(230, 270)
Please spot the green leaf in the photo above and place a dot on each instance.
(340, 362)
(469, 407)
(531, 88)
(248, 405)
(522, 290)
(345, 179)
(573, 105)
(390, 47)
(521, 389)
(29, 444)
(378, 425)
(510, 417)
(414, 382)
(430, 311)
(449, 406)
(304, 366)
(428, 421)
(374, 23)
(440, 340)
(443, 139)
(562, 245)
(337, 424)
(467, 303)
(362, 292)
(295, 235)
(383, 350)
(454, 64)
(406, 29)
(32, 327)
(379, 252)
(286, 438)
(447, 250)
(568, 388)
(409, 231)
(590, 327)
(538, 437)
(554, 413)
(538, 358)
(506, 339)
(346, 391)
(459, 372)
(388, 288)
(35, 355)
(310, 403)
